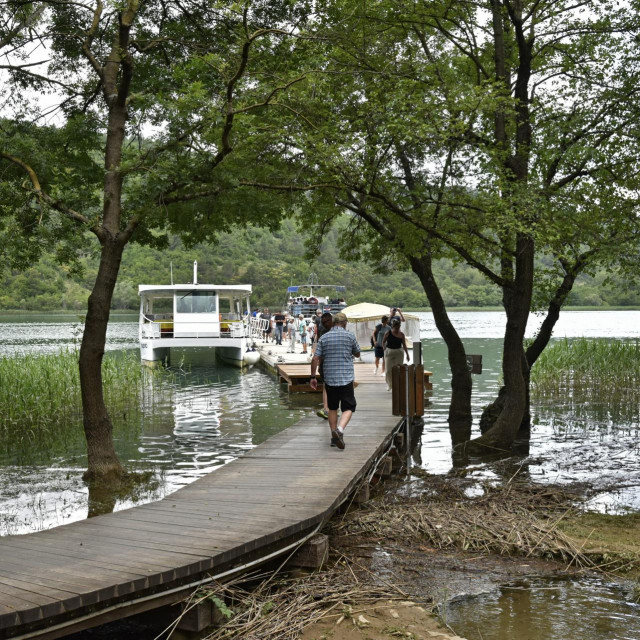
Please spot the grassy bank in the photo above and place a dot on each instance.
(40, 403)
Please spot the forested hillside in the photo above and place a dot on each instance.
(270, 262)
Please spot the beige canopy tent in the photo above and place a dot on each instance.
(363, 317)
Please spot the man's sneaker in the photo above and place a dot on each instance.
(339, 439)
(334, 441)
(321, 413)
(375, 371)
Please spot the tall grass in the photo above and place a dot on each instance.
(590, 365)
(40, 404)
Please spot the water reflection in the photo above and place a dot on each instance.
(208, 415)
(537, 610)
(574, 439)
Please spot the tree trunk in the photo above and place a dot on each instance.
(460, 417)
(103, 463)
(492, 411)
(505, 429)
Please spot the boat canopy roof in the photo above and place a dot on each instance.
(242, 289)
(365, 311)
(294, 288)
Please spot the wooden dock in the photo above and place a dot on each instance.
(298, 376)
(86, 573)
(294, 369)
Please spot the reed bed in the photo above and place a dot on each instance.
(40, 403)
(585, 364)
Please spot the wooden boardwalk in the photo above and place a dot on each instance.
(85, 573)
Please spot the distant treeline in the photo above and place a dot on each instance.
(270, 261)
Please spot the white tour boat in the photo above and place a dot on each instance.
(198, 315)
(301, 298)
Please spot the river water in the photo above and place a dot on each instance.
(212, 413)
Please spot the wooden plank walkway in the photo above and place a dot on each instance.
(89, 572)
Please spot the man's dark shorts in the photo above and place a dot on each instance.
(342, 397)
(379, 351)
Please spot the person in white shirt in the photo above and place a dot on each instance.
(293, 326)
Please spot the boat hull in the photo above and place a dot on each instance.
(232, 351)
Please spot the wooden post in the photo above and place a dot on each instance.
(417, 353)
(362, 494)
(200, 616)
(312, 554)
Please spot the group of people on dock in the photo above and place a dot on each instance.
(333, 349)
(282, 326)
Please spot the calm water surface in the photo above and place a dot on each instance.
(213, 413)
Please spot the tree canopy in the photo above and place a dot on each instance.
(161, 109)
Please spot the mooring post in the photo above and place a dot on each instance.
(409, 374)
(417, 353)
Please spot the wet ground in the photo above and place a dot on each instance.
(485, 596)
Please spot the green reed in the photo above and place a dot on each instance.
(40, 402)
(591, 365)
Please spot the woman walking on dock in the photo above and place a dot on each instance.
(393, 343)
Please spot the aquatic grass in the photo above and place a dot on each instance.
(40, 402)
(585, 365)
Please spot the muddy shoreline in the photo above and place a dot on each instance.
(399, 563)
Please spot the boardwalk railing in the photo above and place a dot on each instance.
(256, 327)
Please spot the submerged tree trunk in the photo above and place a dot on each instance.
(500, 437)
(460, 417)
(103, 463)
(531, 355)
(518, 267)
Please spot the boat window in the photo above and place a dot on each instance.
(196, 302)
(225, 305)
(162, 305)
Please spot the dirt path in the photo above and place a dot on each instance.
(383, 620)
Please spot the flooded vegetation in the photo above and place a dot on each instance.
(171, 426)
(40, 404)
(589, 365)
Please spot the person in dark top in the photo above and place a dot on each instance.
(377, 336)
(279, 319)
(266, 316)
(316, 324)
(393, 342)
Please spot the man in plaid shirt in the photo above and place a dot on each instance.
(335, 351)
